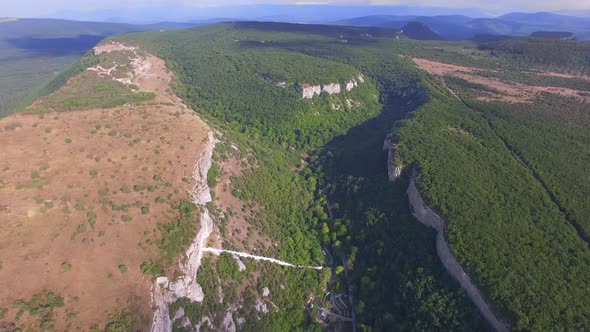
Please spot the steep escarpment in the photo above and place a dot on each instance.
(429, 218)
(501, 221)
(309, 91)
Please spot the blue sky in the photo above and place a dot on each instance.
(31, 8)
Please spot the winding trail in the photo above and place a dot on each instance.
(259, 258)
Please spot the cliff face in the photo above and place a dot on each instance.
(428, 217)
(309, 91)
(331, 88)
(394, 168)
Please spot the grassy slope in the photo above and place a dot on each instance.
(34, 53)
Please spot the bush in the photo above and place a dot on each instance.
(65, 266)
(153, 269)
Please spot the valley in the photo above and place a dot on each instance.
(265, 176)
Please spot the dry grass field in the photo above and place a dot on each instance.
(81, 195)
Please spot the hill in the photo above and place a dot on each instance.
(35, 51)
(419, 31)
(458, 27)
(105, 187)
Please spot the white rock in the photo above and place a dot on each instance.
(308, 91)
(265, 292)
(241, 265)
(331, 88)
(228, 323)
(260, 306)
(350, 85)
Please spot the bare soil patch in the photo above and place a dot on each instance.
(81, 194)
(555, 74)
(507, 91)
(239, 233)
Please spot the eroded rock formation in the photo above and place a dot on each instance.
(394, 167)
(309, 91)
(331, 88)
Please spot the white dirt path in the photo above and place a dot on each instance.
(259, 258)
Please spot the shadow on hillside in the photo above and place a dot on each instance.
(55, 46)
(396, 271)
(365, 143)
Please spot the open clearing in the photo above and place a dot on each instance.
(501, 90)
(81, 194)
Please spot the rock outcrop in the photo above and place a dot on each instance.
(394, 167)
(331, 88)
(309, 91)
(428, 217)
(350, 85)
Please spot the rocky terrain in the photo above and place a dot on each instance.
(309, 91)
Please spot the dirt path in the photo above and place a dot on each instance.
(259, 258)
(426, 216)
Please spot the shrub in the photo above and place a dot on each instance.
(65, 266)
(153, 269)
(91, 215)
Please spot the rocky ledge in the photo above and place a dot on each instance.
(309, 91)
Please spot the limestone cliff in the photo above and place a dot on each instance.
(309, 91)
(394, 166)
(331, 88)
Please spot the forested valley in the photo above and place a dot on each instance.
(341, 203)
(314, 176)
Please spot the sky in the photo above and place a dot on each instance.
(34, 8)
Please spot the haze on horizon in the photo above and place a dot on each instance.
(43, 8)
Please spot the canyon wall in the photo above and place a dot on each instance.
(309, 91)
(428, 217)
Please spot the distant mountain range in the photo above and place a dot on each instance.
(465, 27)
(279, 13)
